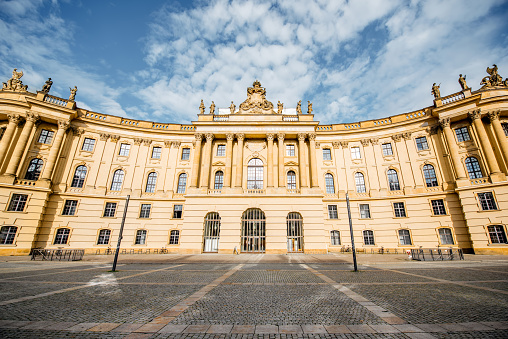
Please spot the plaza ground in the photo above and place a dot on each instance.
(254, 295)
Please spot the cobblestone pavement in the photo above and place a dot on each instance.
(254, 296)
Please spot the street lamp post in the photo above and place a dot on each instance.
(121, 232)
(351, 232)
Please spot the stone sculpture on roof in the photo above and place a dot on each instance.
(202, 107)
(462, 82)
(14, 83)
(73, 93)
(47, 86)
(256, 101)
(494, 79)
(435, 91)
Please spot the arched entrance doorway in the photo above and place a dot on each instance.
(253, 230)
(295, 232)
(211, 232)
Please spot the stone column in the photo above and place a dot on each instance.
(21, 145)
(239, 160)
(9, 131)
(301, 160)
(229, 159)
(280, 138)
(476, 117)
(498, 130)
(205, 177)
(270, 137)
(53, 152)
(313, 165)
(196, 160)
(454, 149)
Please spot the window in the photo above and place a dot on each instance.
(88, 145)
(124, 150)
(221, 150)
(332, 212)
(151, 181)
(156, 152)
(393, 180)
(445, 235)
(330, 187)
(185, 153)
(70, 207)
(174, 237)
(430, 176)
(211, 232)
(61, 237)
(473, 168)
(335, 238)
(405, 237)
(116, 184)
(103, 237)
(177, 211)
(2, 132)
(7, 235)
(368, 237)
(497, 234)
(400, 211)
(140, 237)
(462, 134)
(79, 176)
(487, 201)
(438, 207)
(421, 143)
(109, 210)
(291, 180)
(387, 149)
(34, 169)
(18, 202)
(219, 180)
(253, 231)
(327, 154)
(360, 183)
(255, 174)
(290, 150)
(46, 137)
(144, 212)
(355, 153)
(182, 183)
(505, 129)
(364, 211)
(294, 226)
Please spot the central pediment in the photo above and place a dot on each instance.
(256, 102)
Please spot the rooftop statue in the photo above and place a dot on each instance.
(256, 101)
(299, 107)
(73, 93)
(309, 107)
(14, 83)
(232, 108)
(494, 79)
(47, 86)
(212, 108)
(435, 91)
(280, 106)
(202, 107)
(462, 82)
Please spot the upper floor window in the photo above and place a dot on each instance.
(505, 128)
(462, 134)
(399, 209)
(291, 181)
(290, 150)
(430, 175)
(497, 234)
(145, 210)
(88, 145)
(103, 238)
(182, 183)
(364, 211)
(46, 137)
(393, 180)
(18, 202)
(360, 183)
(438, 207)
(405, 237)
(116, 184)
(446, 237)
(2, 131)
(473, 168)
(62, 236)
(7, 235)
(177, 211)
(185, 153)
(368, 237)
(124, 150)
(335, 238)
(219, 180)
(151, 181)
(487, 201)
(174, 237)
(332, 212)
(327, 154)
(421, 143)
(221, 150)
(109, 210)
(387, 149)
(70, 207)
(34, 169)
(330, 187)
(355, 153)
(255, 174)
(79, 176)
(156, 152)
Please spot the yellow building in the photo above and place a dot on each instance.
(256, 178)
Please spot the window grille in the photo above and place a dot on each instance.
(497, 234)
(438, 207)
(18, 202)
(368, 237)
(174, 237)
(34, 169)
(103, 238)
(62, 236)
(46, 137)
(109, 210)
(399, 209)
(294, 227)
(88, 145)
(212, 232)
(70, 207)
(253, 230)
(487, 201)
(445, 235)
(140, 237)
(221, 150)
(145, 210)
(7, 235)
(405, 237)
(462, 134)
(430, 176)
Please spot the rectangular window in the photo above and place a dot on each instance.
(145, 210)
(124, 150)
(355, 153)
(368, 237)
(290, 150)
(177, 211)
(487, 201)
(335, 238)
(88, 144)
(18, 202)
(438, 207)
(445, 235)
(140, 237)
(364, 211)
(156, 152)
(327, 154)
(505, 129)
(103, 237)
(2, 131)
(46, 137)
(62, 236)
(70, 207)
(462, 134)
(421, 143)
(221, 150)
(109, 210)
(174, 237)
(7, 235)
(332, 212)
(405, 237)
(497, 234)
(185, 153)
(387, 149)
(400, 211)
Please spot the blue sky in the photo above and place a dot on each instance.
(155, 60)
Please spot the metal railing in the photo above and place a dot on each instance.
(57, 254)
(433, 254)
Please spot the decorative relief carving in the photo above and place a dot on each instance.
(336, 144)
(397, 137)
(318, 145)
(312, 136)
(493, 115)
(14, 118)
(63, 124)
(445, 122)
(255, 146)
(365, 142)
(494, 79)
(374, 141)
(115, 138)
(32, 117)
(280, 136)
(137, 141)
(104, 136)
(175, 144)
(230, 136)
(240, 136)
(209, 137)
(147, 142)
(77, 131)
(343, 144)
(406, 135)
(167, 143)
(301, 136)
(256, 101)
(432, 130)
(198, 136)
(475, 114)
(270, 137)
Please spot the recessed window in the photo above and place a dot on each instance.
(156, 152)
(445, 235)
(487, 201)
(405, 237)
(18, 202)
(103, 238)
(185, 153)
(364, 211)
(327, 154)
(88, 145)
(219, 180)
(332, 212)
(497, 234)
(177, 211)
(505, 128)
(116, 184)
(7, 235)
(79, 176)
(109, 210)
(368, 237)
(221, 150)
(70, 207)
(462, 134)
(399, 209)
(430, 176)
(2, 132)
(290, 150)
(473, 168)
(335, 238)
(360, 183)
(182, 183)
(144, 212)
(151, 182)
(291, 180)
(124, 150)
(46, 136)
(355, 153)
(393, 180)
(174, 237)
(62, 236)
(387, 149)
(255, 174)
(330, 187)
(421, 143)
(140, 237)
(438, 207)
(34, 169)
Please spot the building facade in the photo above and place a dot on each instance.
(256, 178)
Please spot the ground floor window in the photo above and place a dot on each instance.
(335, 238)
(253, 230)
(7, 235)
(445, 235)
(103, 237)
(294, 232)
(211, 232)
(62, 235)
(368, 237)
(405, 237)
(140, 237)
(497, 234)
(174, 237)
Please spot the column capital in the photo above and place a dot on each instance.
(301, 136)
(270, 136)
(365, 142)
(374, 141)
(175, 144)
(138, 141)
(493, 115)
(336, 144)
(230, 136)
(445, 122)
(280, 136)
(31, 117)
(432, 129)
(209, 137)
(312, 136)
(198, 136)
(240, 136)
(105, 136)
(63, 124)
(13, 118)
(114, 138)
(397, 137)
(343, 144)
(406, 135)
(475, 114)
(146, 142)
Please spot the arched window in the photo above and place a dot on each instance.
(360, 183)
(7, 235)
(430, 176)
(255, 174)
(295, 232)
(393, 180)
(253, 230)
(212, 232)
(473, 168)
(291, 180)
(182, 183)
(151, 181)
(219, 180)
(116, 184)
(330, 187)
(34, 169)
(79, 176)
(62, 236)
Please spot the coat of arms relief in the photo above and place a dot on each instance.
(256, 101)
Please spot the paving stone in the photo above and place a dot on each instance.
(455, 327)
(407, 328)
(431, 328)
(138, 336)
(266, 329)
(313, 329)
(360, 329)
(162, 320)
(420, 335)
(196, 329)
(219, 329)
(290, 329)
(384, 328)
(243, 329)
(38, 325)
(104, 327)
(152, 328)
(127, 328)
(82, 327)
(393, 320)
(476, 326)
(173, 328)
(498, 325)
(5, 322)
(336, 329)
(62, 326)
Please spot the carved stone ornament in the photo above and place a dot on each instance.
(198, 136)
(406, 135)
(397, 137)
(47, 86)
(14, 118)
(270, 137)
(280, 136)
(32, 117)
(445, 122)
(175, 144)
(137, 141)
(318, 145)
(474, 114)
(147, 142)
(301, 136)
(435, 91)
(14, 83)
(336, 144)
(343, 144)
(432, 130)
(209, 137)
(365, 142)
(374, 141)
(493, 115)
(494, 79)
(167, 143)
(312, 136)
(230, 136)
(280, 107)
(63, 124)
(76, 131)
(115, 138)
(202, 107)
(240, 136)
(104, 136)
(256, 101)
(72, 96)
